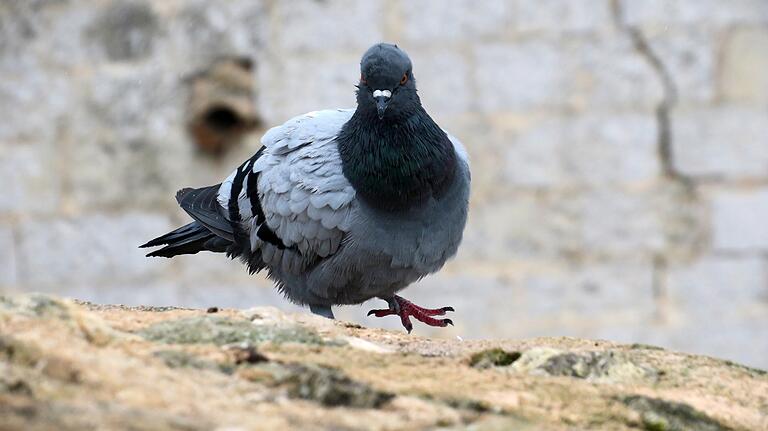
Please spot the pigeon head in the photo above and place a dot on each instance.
(387, 87)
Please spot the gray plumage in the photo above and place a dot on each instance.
(292, 210)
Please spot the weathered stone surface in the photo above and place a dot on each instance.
(61, 33)
(533, 157)
(74, 366)
(427, 21)
(15, 26)
(580, 73)
(590, 149)
(495, 357)
(332, 86)
(660, 13)
(601, 366)
(8, 275)
(558, 16)
(602, 149)
(222, 330)
(534, 76)
(689, 58)
(728, 142)
(718, 303)
(589, 290)
(200, 32)
(698, 289)
(658, 414)
(738, 220)
(110, 172)
(311, 25)
(620, 223)
(126, 32)
(28, 87)
(610, 73)
(28, 176)
(716, 334)
(501, 231)
(443, 80)
(87, 249)
(744, 71)
(601, 222)
(330, 387)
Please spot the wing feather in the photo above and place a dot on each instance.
(302, 189)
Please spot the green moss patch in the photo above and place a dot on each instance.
(19, 353)
(661, 415)
(327, 386)
(493, 358)
(181, 359)
(35, 305)
(222, 330)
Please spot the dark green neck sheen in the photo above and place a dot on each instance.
(396, 164)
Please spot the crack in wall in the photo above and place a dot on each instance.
(669, 91)
(664, 144)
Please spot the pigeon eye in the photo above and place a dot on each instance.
(362, 79)
(404, 79)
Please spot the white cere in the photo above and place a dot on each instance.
(384, 93)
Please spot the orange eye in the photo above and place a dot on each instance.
(362, 79)
(404, 79)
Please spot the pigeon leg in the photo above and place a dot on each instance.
(405, 309)
(322, 310)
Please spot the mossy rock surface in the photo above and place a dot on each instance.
(224, 330)
(73, 366)
(493, 358)
(662, 415)
(36, 305)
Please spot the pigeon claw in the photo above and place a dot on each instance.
(406, 323)
(381, 313)
(406, 309)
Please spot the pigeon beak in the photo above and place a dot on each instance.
(381, 105)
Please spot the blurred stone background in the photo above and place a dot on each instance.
(620, 152)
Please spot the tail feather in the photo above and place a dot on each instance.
(179, 234)
(189, 239)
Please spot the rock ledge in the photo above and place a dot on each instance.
(69, 366)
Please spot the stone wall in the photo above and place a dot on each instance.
(620, 153)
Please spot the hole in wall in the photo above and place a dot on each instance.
(221, 109)
(222, 119)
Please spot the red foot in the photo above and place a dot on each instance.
(404, 308)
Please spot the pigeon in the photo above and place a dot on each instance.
(340, 206)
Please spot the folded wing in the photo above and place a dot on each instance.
(290, 205)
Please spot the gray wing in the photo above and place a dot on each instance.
(459, 148)
(302, 206)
